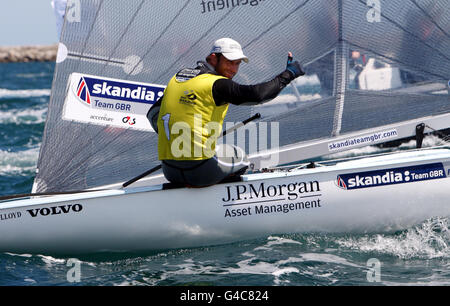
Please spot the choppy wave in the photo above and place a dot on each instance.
(33, 75)
(23, 116)
(428, 141)
(280, 260)
(23, 93)
(275, 261)
(429, 240)
(253, 263)
(18, 162)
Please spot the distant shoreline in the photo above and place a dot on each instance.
(23, 54)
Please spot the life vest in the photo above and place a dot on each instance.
(189, 120)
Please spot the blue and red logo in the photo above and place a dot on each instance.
(341, 183)
(83, 92)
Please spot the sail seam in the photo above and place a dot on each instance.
(122, 36)
(90, 32)
(431, 18)
(245, 46)
(400, 27)
(276, 24)
(77, 166)
(81, 57)
(195, 43)
(159, 37)
(56, 69)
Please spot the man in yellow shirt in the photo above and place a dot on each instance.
(190, 115)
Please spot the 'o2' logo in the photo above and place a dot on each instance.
(129, 120)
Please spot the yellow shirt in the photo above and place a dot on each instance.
(189, 121)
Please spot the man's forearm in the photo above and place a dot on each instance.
(227, 91)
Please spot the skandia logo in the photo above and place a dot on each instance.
(390, 176)
(360, 181)
(341, 183)
(83, 92)
(89, 88)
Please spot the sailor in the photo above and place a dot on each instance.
(190, 114)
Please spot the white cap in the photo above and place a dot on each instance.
(230, 48)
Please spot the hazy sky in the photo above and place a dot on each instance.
(27, 22)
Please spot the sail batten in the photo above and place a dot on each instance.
(160, 36)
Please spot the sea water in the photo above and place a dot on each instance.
(416, 256)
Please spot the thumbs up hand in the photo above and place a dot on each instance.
(294, 67)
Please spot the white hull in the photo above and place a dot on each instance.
(149, 218)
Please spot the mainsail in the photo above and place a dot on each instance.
(370, 66)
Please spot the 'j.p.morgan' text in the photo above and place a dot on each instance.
(262, 191)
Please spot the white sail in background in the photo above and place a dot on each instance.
(59, 8)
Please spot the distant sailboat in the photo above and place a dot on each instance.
(119, 58)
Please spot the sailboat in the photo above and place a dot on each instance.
(114, 60)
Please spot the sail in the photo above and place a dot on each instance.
(369, 64)
(391, 72)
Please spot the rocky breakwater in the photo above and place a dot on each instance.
(28, 54)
